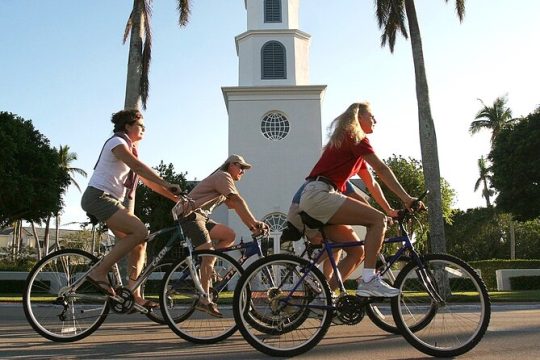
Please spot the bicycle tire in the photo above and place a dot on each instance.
(380, 310)
(150, 289)
(263, 323)
(197, 326)
(460, 320)
(268, 299)
(58, 315)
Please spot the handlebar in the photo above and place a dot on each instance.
(183, 207)
(415, 207)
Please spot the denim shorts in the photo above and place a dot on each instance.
(100, 204)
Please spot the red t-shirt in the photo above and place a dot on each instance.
(340, 164)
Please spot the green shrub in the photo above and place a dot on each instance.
(525, 283)
(24, 264)
(488, 268)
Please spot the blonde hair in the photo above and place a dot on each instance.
(347, 124)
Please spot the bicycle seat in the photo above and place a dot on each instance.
(93, 219)
(311, 222)
(290, 233)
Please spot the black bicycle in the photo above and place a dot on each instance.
(443, 309)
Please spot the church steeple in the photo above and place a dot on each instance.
(274, 114)
(272, 14)
(273, 52)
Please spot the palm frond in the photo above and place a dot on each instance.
(391, 19)
(127, 30)
(78, 171)
(146, 54)
(73, 182)
(495, 117)
(184, 10)
(460, 9)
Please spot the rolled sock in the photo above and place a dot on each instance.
(368, 274)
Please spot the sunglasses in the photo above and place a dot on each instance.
(140, 125)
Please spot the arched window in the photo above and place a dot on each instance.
(272, 10)
(274, 126)
(276, 221)
(273, 61)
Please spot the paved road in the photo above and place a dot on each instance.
(513, 334)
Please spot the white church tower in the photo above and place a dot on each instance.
(274, 114)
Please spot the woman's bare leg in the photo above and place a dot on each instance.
(340, 234)
(135, 233)
(354, 212)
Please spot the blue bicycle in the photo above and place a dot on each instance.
(443, 309)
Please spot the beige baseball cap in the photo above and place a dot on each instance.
(234, 158)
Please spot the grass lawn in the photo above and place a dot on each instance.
(496, 296)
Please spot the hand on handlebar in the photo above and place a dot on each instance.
(417, 205)
(261, 228)
(175, 189)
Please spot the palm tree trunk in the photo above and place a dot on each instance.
(20, 240)
(14, 240)
(133, 84)
(38, 247)
(57, 232)
(428, 137)
(46, 237)
(486, 193)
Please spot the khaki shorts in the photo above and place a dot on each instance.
(320, 201)
(197, 227)
(100, 204)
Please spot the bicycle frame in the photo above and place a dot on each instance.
(327, 249)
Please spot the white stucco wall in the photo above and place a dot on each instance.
(279, 167)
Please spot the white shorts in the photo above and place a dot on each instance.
(320, 201)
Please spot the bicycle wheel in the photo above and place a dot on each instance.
(275, 287)
(150, 289)
(178, 297)
(55, 309)
(463, 308)
(379, 310)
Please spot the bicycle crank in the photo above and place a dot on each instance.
(350, 309)
(126, 302)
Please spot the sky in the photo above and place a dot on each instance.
(63, 66)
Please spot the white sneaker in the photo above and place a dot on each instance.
(376, 287)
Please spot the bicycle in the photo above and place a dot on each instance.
(443, 309)
(62, 306)
(183, 293)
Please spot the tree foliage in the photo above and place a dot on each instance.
(484, 180)
(31, 180)
(154, 209)
(391, 15)
(495, 117)
(410, 174)
(140, 49)
(483, 234)
(516, 167)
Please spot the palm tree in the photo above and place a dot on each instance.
(66, 159)
(140, 49)
(391, 16)
(494, 118)
(484, 179)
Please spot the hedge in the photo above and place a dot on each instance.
(488, 268)
(525, 283)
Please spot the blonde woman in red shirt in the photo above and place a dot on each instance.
(349, 153)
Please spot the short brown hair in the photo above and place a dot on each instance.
(123, 117)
